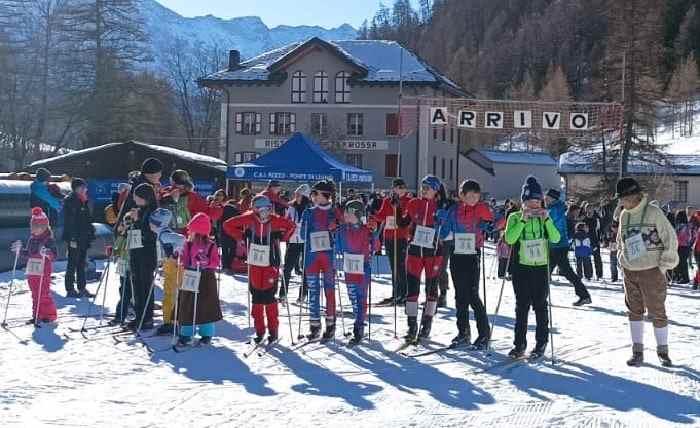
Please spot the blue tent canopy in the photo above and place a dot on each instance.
(298, 159)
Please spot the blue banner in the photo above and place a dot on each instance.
(101, 190)
(255, 173)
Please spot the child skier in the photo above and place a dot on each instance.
(318, 224)
(263, 230)
(503, 251)
(357, 242)
(529, 230)
(423, 215)
(583, 252)
(466, 221)
(199, 310)
(40, 253)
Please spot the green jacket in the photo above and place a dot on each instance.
(518, 230)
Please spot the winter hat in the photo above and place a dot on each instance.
(145, 191)
(200, 224)
(261, 202)
(531, 189)
(151, 166)
(303, 190)
(431, 181)
(324, 186)
(554, 194)
(43, 174)
(180, 177)
(38, 217)
(160, 218)
(76, 183)
(356, 208)
(470, 186)
(398, 182)
(627, 186)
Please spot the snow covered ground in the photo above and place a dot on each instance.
(51, 376)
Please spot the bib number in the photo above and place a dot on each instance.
(190, 280)
(536, 250)
(390, 223)
(635, 247)
(424, 236)
(134, 240)
(354, 263)
(465, 243)
(259, 255)
(35, 266)
(320, 241)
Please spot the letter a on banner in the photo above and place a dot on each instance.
(438, 116)
(578, 121)
(551, 120)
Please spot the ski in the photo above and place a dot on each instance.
(305, 343)
(253, 348)
(19, 339)
(505, 364)
(442, 349)
(268, 347)
(405, 346)
(178, 348)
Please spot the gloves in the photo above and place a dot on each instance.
(16, 246)
(441, 216)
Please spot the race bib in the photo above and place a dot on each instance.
(133, 238)
(635, 247)
(423, 236)
(259, 255)
(465, 243)
(353, 263)
(320, 241)
(35, 266)
(190, 280)
(535, 250)
(121, 267)
(390, 223)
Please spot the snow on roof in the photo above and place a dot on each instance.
(381, 59)
(515, 157)
(194, 157)
(592, 163)
(22, 187)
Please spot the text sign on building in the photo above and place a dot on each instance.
(577, 121)
(269, 143)
(367, 145)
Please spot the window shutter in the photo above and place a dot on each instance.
(258, 122)
(292, 122)
(239, 122)
(272, 123)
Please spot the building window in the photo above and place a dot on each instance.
(434, 165)
(342, 88)
(391, 167)
(354, 159)
(298, 87)
(443, 169)
(282, 123)
(452, 135)
(444, 134)
(319, 124)
(435, 133)
(355, 124)
(240, 157)
(451, 168)
(321, 87)
(392, 124)
(248, 123)
(680, 191)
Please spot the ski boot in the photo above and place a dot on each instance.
(314, 332)
(462, 338)
(272, 337)
(412, 335)
(426, 325)
(538, 351)
(442, 300)
(582, 301)
(357, 335)
(517, 353)
(258, 338)
(329, 334)
(637, 359)
(205, 340)
(481, 343)
(165, 330)
(662, 353)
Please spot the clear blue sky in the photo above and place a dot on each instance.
(326, 13)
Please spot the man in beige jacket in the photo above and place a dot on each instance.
(647, 248)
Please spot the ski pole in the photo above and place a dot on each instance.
(176, 318)
(500, 299)
(41, 285)
(194, 309)
(94, 299)
(106, 286)
(340, 300)
(549, 302)
(247, 244)
(286, 303)
(483, 277)
(11, 287)
(146, 303)
(369, 308)
(395, 275)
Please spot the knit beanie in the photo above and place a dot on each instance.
(470, 186)
(38, 217)
(151, 166)
(145, 191)
(76, 183)
(43, 174)
(554, 194)
(531, 189)
(200, 224)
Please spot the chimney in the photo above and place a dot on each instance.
(234, 60)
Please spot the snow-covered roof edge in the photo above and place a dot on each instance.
(592, 163)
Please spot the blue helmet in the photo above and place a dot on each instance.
(431, 181)
(160, 218)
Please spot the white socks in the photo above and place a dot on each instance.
(412, 309)
(661, 336)
(637, 331)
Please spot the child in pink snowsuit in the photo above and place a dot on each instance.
(41, 245)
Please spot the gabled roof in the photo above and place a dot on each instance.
(592, 163)
(376, 61)
(486, 159)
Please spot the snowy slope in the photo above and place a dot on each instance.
(247, 34)
(48, 379)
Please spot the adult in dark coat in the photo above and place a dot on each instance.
(78, 233)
